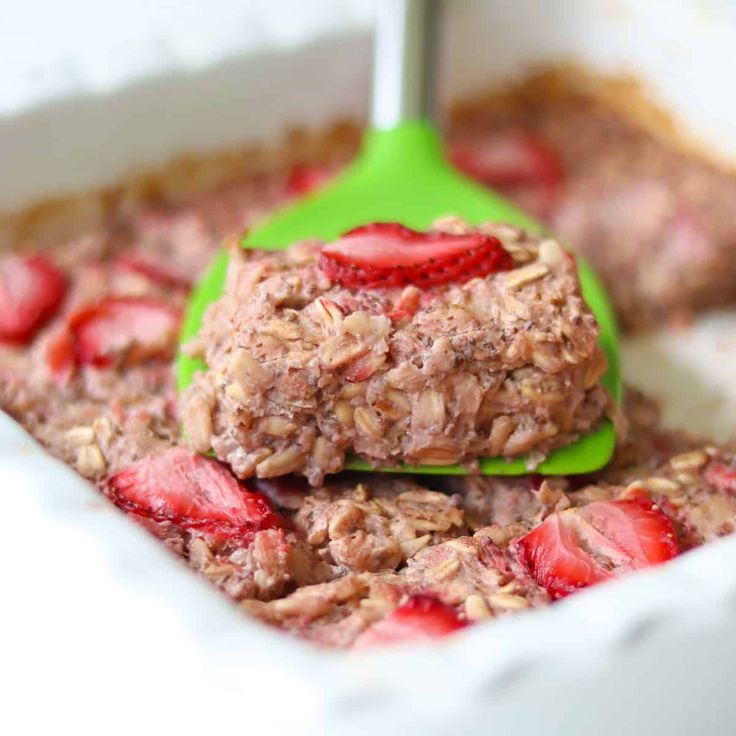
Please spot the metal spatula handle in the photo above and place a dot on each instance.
(403, 64)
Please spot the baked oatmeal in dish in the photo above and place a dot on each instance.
(88, 330)
(508, 545)
(396, 346)
(655, 221)
(363, 559)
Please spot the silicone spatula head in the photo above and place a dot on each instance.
(402, 175)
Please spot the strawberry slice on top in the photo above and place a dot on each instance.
(154, 269)
(387, 254)
(125, 330)
(31, 291)
(579, 547)
(421, 618)
(518, 163)
(304, 179)
(59, 354)
(194, 492)
(510, 159)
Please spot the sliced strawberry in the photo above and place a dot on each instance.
(123, 329)
(60, 356)
(637, 527)
(31, 290)
(555, 559)
(519, 164)
(304, 179)
(388, 254)
(154, 270)
(510, 159)
(194, 492)
(579, 547)
(421, 618)
(722, 478)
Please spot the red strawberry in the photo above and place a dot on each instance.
(722, 477)
(304, 179)
(389, 254)
(154, 270)
(555, 559)
(31, 290)
(421, 618)
(518, 163)
(579, 547)
(60, 356)
(127, 329)
(510, 159)
(194, 492)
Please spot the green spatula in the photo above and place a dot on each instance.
(402, 175)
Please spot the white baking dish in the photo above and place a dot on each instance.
(104, 631)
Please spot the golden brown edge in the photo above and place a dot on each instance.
(189, 175)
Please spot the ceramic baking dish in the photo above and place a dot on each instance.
(103, 630)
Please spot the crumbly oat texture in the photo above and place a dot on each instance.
(336, 561)
(656, 223)
(303, 370)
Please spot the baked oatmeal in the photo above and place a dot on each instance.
(364, 559)
(656, 222)
(88, 329)
(514, 544)
(479, 345)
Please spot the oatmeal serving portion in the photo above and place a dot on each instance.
(89, 327)
(396, 346)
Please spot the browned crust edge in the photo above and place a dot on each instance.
(187, 176)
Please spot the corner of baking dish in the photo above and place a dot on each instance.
(114, 571)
